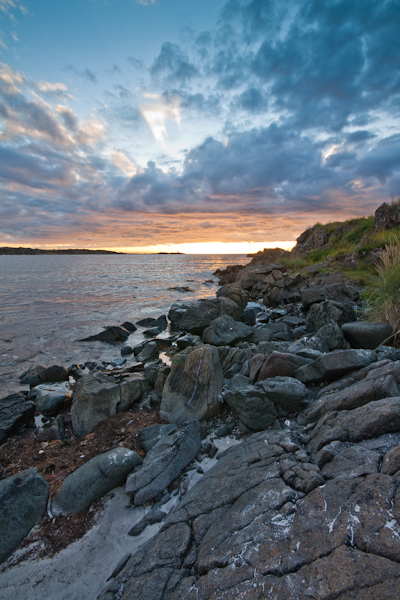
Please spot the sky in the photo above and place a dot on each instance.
(179, 125)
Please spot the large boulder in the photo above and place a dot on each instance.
(281, 364)
(234, 292)
(15, 412)
(164, 463)
(252, 275)
(23, 500)
(193, 387)
(323, 313)
(250, 402)
(362, 334)
(334, 365)
(224, 331)
(287, 393)
(94, 401)
(195, 316)
(95, 478)
(333, 291)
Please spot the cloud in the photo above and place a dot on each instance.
(173, 65)
(85, 74)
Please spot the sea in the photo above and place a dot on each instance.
(50, 302)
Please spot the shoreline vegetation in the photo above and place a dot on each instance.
(284, 366)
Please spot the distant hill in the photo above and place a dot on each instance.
(6, 250)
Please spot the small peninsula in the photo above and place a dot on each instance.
(6, 250)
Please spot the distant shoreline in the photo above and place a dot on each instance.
(23, 251)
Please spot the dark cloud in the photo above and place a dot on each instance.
(173, 65)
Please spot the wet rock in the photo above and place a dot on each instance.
(149, 436)
(164, 463)
(15, 412)
(95, 478)
(323, 313)
(224, 331)
(356, 395)
(281, 364)
(250, 403)
(195, 316)
(125, 350)
(51, 374)
(192, 388)
(94, 401)
(367, 335)
(369, 421)
(26, 375)
(287, 393)
(129, 326)
(49, 402)
(23, 500)
(333, 365)
(148, 352)
(111, 335)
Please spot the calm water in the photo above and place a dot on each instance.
(47, 303)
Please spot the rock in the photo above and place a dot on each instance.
(49, 401)
(152, 332)
(147, 322)
(252, 275)
(125, 350)
(369, 421)
(280, 331)
(51, 374)
(188, 340)
(149, 351)
(391, 461)
(261, 334)
(95, 478)
(164, 463)
(249, 314)
(281, 364)
(333, 365)
(323, 313)
(15, 412)
(255, 364)
(149, 436)
(195, 316)
(111, 335)
(162, 375)
(234, 292)
(192, 388)
(362, 334)
(224, 331)
(26, 375)
(129, 326)
(154, 516)
(287, 393)
(94, 402)
(334, 291)
(250, 403)
(352, 462)
(331, 337)
(355, 395)
(387, 216)
(23, 499)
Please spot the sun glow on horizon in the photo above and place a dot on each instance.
(208, 247)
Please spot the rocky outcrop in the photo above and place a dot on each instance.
(193, 387)
(224, 331)
(23, 500)
(195, 316)
(95, 478)
(387, 216)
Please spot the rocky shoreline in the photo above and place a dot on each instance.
(304, 502)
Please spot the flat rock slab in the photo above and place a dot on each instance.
(193, 387)
(23, 500)
(164, 463)
(362, 334)
(334, 365)
(95, 478)
(15, 412)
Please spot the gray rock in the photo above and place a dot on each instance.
(23, 500)
(149, 436)
(287, 393)
(280, 331)
(149, 351)
(369, 421)
(261, 334)
(352, 462)
(322, 314)
(331, 337)
(281, 364)
(234, 292)
(125, 350)
(333, 291)
(362, 334)
(188, 340)
(335, 364)
(192, 388)
(111, 335)
(250, 403)
(129, 326)
(250, 313)
(356, 395)
(26, 375)
(51, 374)
(50, 403)
(95, 478)
(195, 316)
(164, 463)
(154, 516)
(94, 402)
(150, 372)
(224, 331)
(15, 412)
(308, 353)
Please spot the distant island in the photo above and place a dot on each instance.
(6, 250)
(170, 253)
